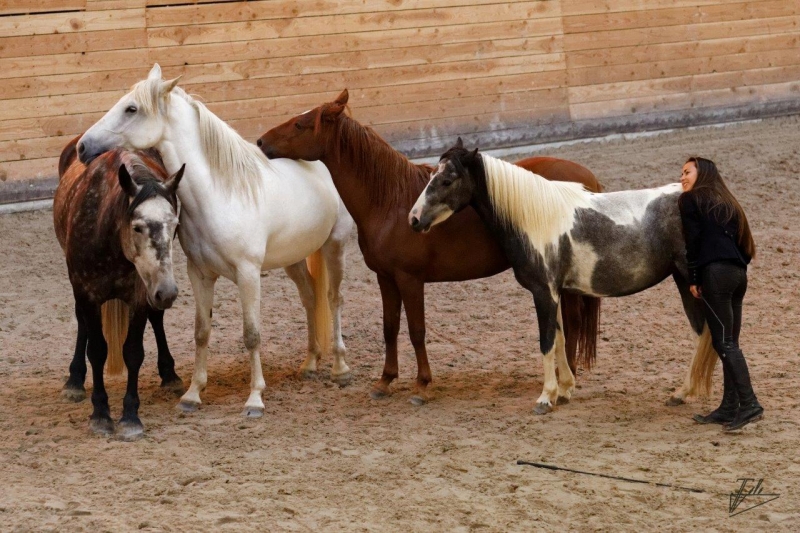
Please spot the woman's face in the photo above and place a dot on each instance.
(688, 176)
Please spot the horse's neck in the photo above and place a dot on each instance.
(181, 144)
(358, 179)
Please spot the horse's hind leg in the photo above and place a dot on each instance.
(301, 277)
(97, 350)
(130, 427)
(203, 288)
(334, 253)
(566, 380)
(166, 364)
(74, 390)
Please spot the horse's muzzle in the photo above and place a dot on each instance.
(87, 152)
(164, 296)
(416, 224)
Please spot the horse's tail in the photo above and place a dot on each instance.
(581, 315)
(587, 335)
(703, 364)
(115, 329)
(322, 310)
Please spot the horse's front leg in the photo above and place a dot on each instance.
(248, 279)
(166, 364)
(301, 277)
(130, 427)
(390, 297)
(566, 380)
(97, 350)
(203, 288)
(548, 317)
(74, 390)
(412, 291)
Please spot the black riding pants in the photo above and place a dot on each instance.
(724, 285)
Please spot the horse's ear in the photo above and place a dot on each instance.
(473, 154)
(155, 72)
(167, 86)
(459, 143)
(126, 182)
(173, 182)
(332, 111)
(343, 98)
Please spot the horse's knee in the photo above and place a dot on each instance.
(417, 336)
(547, 342)
(252, 338)
(202, 332)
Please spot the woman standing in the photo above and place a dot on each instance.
(719, 247)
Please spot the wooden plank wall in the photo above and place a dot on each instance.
(421, 71)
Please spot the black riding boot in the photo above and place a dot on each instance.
(749, 408)
(726, 411)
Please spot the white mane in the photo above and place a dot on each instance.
(541, 210)
(235, 163)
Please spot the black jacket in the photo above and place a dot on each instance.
(708, 239)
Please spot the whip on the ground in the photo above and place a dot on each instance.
(629, 480)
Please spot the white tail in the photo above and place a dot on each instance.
(322, 311)
(703, 364)
(114, 315)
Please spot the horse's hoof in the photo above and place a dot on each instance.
(343, 380)
(674, 400)
(253, 412)
(101, 426)
(308, 374)
(562, 400)
(73, 395)
(378, 394)
(175, 386)
(187, 407)
(542, 408)
(129, 431)
(418, 400)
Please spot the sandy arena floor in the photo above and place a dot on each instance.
(329, 459)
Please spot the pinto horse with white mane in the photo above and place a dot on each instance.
(241, 214)
(560, 237)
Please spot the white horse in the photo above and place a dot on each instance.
(241, 214)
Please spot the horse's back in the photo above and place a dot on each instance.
(555, 169)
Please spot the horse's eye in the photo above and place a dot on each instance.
(298, 126)
(131, 109)
(447, 183)
(137, 229)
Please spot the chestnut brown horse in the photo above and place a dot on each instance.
(115, 220)
(378, 186)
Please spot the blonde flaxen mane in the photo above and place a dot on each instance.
(235, 163)
(541, 210)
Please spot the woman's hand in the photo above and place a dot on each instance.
(696, 291)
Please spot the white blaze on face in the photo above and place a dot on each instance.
(421, 208)
(153, 253)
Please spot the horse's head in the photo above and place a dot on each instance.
(136, 122)
(306, 136)
(148, 229)
(450, 189)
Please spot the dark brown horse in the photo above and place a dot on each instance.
(378, 186)
(115, 221)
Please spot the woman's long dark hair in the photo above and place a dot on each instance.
(714, 198)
